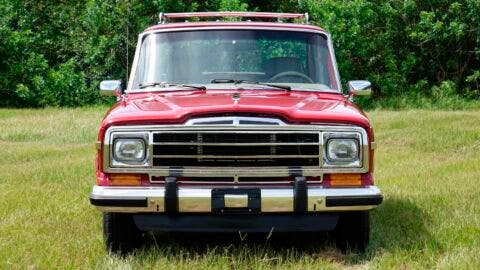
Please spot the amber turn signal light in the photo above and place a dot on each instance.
(344, 180)
(125, 179)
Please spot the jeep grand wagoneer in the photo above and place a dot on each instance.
(235, 125)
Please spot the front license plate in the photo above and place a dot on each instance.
(236, 200)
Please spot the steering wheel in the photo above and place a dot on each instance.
(291, 73)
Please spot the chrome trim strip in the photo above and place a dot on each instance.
(257, 128)
(230, 144)
(237, 171)
(238, 183)
(198, 200)
(234, 119)
(237, 130)
(236, 157)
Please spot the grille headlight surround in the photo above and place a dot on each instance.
(146, 133)
(129, 149)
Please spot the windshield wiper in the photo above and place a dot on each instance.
(167, 84)
(284, 87)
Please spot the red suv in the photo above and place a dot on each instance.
(231, 125)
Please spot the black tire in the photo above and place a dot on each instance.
(120, 233)
(353, 231)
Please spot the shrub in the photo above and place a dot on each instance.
(429, 50)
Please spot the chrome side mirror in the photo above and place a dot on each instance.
(359, 88)
(111, 88)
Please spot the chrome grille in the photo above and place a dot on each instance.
(236, 149)
(264, 163)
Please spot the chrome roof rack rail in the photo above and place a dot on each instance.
(166, 17)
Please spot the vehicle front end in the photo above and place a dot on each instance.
(211, 153)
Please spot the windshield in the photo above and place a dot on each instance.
(297, 59)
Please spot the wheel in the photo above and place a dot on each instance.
(120, 233)
(291, 74)
(353, 231)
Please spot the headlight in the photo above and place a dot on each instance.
(342, 150)
(130, 151)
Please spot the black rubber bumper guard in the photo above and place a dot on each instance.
(300, 195)
(171, 195)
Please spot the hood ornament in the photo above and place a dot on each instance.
(236, 97)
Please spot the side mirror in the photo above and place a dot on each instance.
(359, 88)
(111, 88)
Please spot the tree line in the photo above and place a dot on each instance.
(55, 53)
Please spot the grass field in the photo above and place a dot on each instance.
(427, 165)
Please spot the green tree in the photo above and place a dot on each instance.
(56, 53)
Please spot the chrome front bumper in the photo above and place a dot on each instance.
(199, 200)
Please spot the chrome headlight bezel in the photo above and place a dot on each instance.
(141, 137)
(353, 137)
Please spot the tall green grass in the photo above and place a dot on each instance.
(427, 165)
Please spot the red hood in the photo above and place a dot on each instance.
(177, 107)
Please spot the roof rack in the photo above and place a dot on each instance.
(164, 17)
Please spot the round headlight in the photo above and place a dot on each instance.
(342, 150)
(129, 150)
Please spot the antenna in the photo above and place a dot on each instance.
(161, 18)
(126, 43)
(128, 61)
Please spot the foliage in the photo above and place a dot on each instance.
(56, 54)
(400, 45)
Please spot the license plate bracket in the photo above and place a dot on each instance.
(236, 200)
